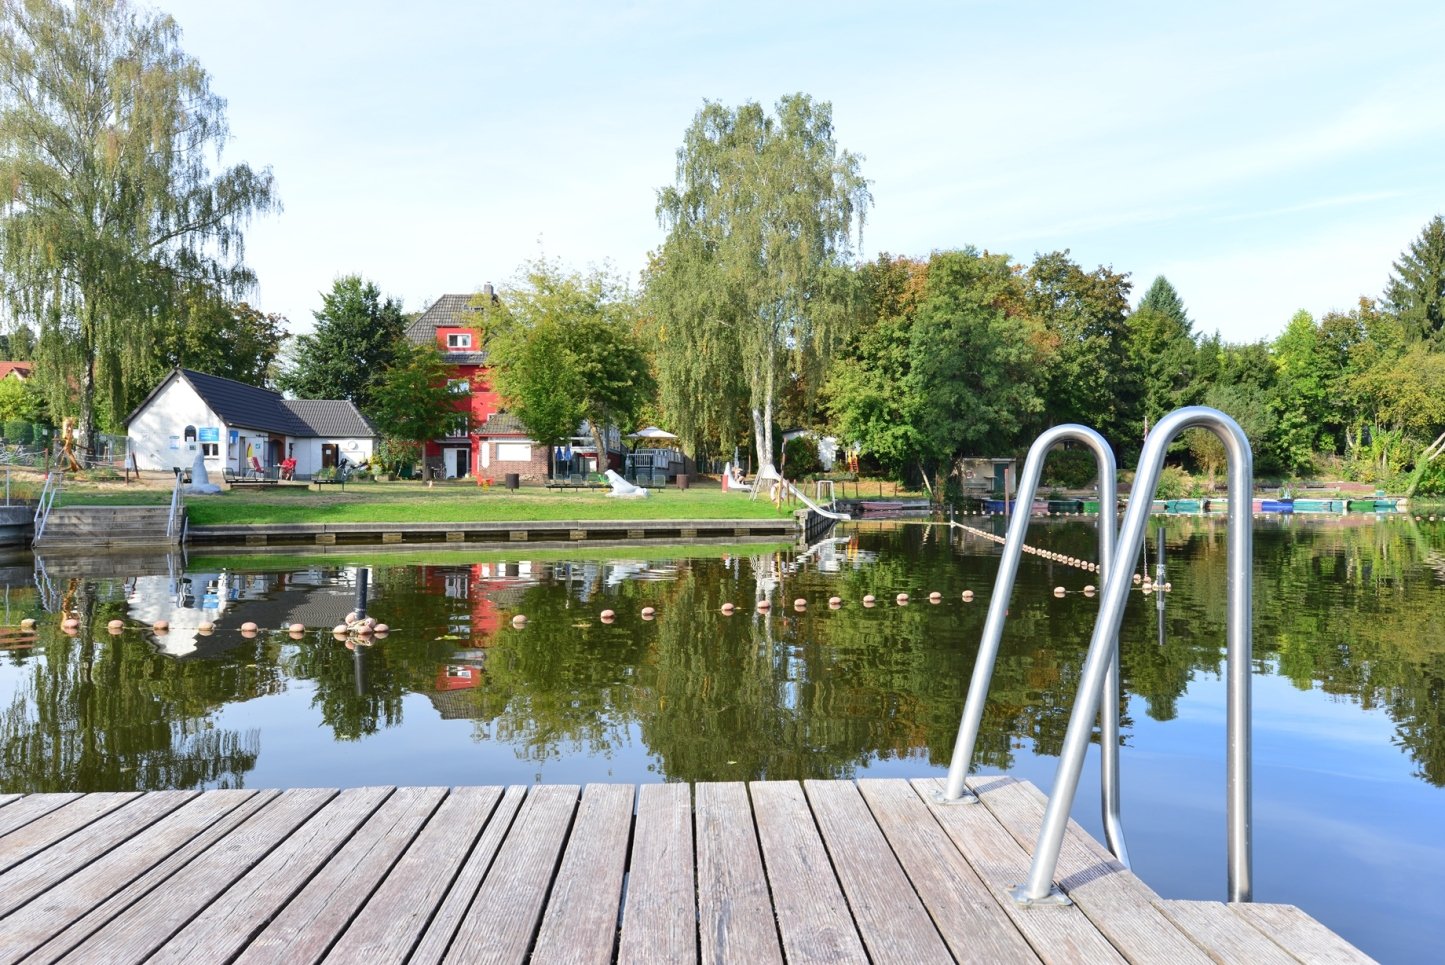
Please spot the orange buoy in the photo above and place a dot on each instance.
(869, 599)
(298, 628)
(351, 617)
(608, 614)
(648, 613)
(1059, 591)
(834, 602)
(1089, 590)
(519, 621)
(764, 605)
(800, 604)
(935, 597)
(160, 626)
(249, 627)
(967, 596)
(339, 630)
(902, 599)
(727, 609)
(116, 624)
(1138, 579)
(381, 628)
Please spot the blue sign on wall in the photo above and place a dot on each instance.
(208, 435)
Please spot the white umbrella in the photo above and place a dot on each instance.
(651, 432)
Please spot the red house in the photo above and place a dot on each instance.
(497, 443)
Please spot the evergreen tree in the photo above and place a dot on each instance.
(357, 336)
(1416, 291)
(1162, 297)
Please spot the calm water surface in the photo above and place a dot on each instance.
(1349, 679)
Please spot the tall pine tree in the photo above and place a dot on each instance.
(358, 335)
(1416, 291)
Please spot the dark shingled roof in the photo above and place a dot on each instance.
(448, 311)
(251, 407)
(502, 424)
(330, 417)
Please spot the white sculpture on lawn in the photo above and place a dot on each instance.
(201, 484)
(621, 487)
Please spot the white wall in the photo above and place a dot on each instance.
(307, 452)
(157, 436)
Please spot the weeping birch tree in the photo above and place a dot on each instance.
(111, 213)
(752, 286)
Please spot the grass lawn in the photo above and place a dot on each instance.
(407, 502)
(274, 559)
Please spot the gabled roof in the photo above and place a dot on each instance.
(245, 406)
(448, 311)
(502, 424)
(330, 417)
(21, 370)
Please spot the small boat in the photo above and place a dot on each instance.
(1091, 505)
(1182, 505)
(997, 506)
(1216, 505)
(1363, 505)
(894, 505)
(1066, 505)
(1276, 505)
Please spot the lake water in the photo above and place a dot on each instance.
(1349, 680)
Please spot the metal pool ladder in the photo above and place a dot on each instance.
(956, 791)
(1103, 651)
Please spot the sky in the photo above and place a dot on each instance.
(1265, 157)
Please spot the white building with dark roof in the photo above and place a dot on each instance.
(236, 426)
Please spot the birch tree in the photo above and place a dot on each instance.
(111, 211)
(752, 286)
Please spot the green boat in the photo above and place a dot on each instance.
(1066, 505)
(1182, 505)
(1091, 505)
(1371, 505)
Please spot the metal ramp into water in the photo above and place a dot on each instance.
(1098, 686)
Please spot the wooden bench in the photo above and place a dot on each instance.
(247, 478)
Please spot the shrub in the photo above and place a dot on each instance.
(19, 431)
(1070, 469)
(1174, 483)
(1432, 480)
(800, 457)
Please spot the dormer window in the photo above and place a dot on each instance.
(459, 340)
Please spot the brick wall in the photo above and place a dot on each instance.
(533, 470)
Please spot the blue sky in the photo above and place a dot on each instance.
(1266, 157)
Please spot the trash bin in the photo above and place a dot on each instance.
(682, 480)
(513, 480)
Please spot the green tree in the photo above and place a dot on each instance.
(413, 401)
(226, 338)
(565, 350)
(1302, 362)
(1083, 314)
(358, 334)
(112, 210)
(1163, 358)
(1416, 290)
(752, 286)
(17, 401)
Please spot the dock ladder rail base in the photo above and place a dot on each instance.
(1103, 651)
(53, 481)
(956, 790)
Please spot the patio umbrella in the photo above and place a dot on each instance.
(651, 432)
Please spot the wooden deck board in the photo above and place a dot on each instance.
(966, 912)
(227, 924)
(772, 871)
(509, 903)
(392, 921)
(1062, 935)
(218, 827)
(580, 924)
(890, 918)
(735, 911)
(80, 905)
(317, 915)
(1119, 904)
(813, 916)
(147, 924)
(656, 926)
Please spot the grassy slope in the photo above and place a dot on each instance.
(401, 502)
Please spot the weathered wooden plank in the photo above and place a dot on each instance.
(813, 916)
(57, 825)
(8, 799)
(216, 829)
(85, 901)
(508, 905)
(891, 919)
(28, 808)
(735, 915)
(448, 918)
(966, 912)
(227, 924)
(147, 924)
(659, 919)
(1299, 934)
(312, 920)
(1119, 904)
(580, 922)
(1227, 937)
(393, 919)
(53, 865)
(1057, 935)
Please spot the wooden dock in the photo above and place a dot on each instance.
(761, 872)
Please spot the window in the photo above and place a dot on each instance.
(459, 386)
(459, 340)
(210, 449)
(513, 452)
(190, 434)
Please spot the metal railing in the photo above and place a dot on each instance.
(1103, 650)
(176, 516)
(48, 493)
(956, 790)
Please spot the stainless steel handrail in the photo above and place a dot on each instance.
(173, 519)
(956, 790)
(48, 492)
(1103, 650)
